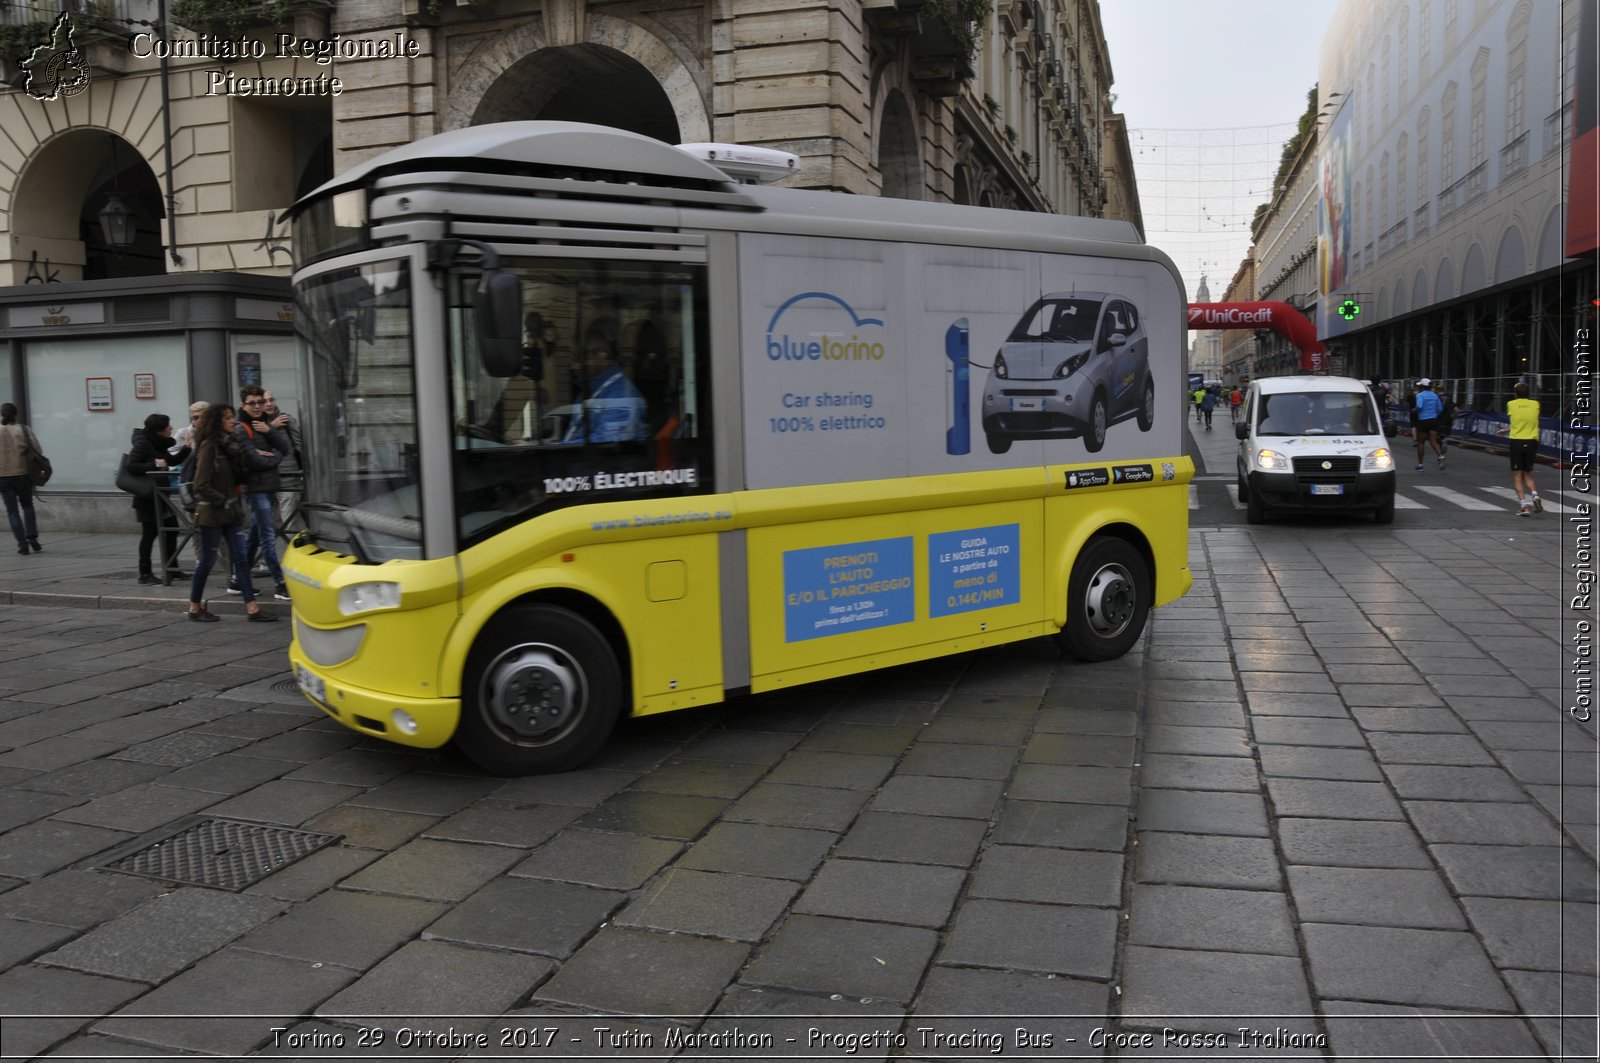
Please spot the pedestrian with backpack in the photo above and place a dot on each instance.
(219, 464)
(261, 481)
(16, 486)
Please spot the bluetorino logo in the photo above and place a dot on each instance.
(824, 346)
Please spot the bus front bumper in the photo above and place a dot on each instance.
(426, 723)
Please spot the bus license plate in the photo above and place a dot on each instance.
(310, 685)
(1327, 489)
(1027, 404)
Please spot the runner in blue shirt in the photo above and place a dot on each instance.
(1429, 409)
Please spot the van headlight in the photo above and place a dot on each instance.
(361, 598)
(1379, 459)
(1272, 461)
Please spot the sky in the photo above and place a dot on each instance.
(1211, 92)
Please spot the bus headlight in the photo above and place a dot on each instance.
(361, 598)
(1379, 459)
(1272, 460)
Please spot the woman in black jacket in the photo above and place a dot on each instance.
(149, 451)
(219, 465)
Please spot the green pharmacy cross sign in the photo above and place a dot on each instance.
(1349, 309)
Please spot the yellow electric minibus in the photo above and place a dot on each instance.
(596, 426)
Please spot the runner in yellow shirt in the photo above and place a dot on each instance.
(1524, 414)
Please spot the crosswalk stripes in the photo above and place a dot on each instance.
(1437, 497)
(1510, 496)
(1459, 499)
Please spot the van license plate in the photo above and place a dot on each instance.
(1020, 405)
(310, 685)
(1327, 489)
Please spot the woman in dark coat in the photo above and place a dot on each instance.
(148, 451)
(219, 465)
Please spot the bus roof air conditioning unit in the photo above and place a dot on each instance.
(744, 164)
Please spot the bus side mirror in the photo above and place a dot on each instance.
(497, 313)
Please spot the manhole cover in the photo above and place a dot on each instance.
(286, 686)
(221, 853)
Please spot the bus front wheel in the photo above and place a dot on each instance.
(542, 692)
(1109, 596)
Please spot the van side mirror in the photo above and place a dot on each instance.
(497, 315)
(1241, 430)
(1391, 429)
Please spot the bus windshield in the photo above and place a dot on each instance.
(610, 401)
(361, 447)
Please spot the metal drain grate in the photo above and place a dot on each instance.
(221, 853)
(286, 686)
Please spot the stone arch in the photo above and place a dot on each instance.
(1511, 262)
(614, 58)
(898, 148)
(58, 195)
(1553, 239)
(1472, 270)
(1419, 289)
(963, 194)
(1444, 287)
(1400, 305)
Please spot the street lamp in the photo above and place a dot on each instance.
(117, 223)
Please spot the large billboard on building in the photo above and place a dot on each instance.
(1333, 219)
(1583, 177)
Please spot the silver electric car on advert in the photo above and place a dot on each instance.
(1077, 363)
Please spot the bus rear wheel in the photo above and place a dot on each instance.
(1108, 600)
(542, 692)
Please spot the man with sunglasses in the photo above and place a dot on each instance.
(254, 430)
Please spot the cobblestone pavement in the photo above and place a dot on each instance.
(1332, 806)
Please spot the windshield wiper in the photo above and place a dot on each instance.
(339, 511)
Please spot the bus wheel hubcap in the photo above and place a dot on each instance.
(533, 691)
(1109, 603)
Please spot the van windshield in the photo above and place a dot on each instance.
(1306, 413)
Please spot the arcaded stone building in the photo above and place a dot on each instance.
(152, 148)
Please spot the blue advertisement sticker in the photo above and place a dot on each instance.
(833, 590)
(980, 568)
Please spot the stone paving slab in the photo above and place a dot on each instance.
(1300, 800)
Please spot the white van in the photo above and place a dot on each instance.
(1314, 443)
